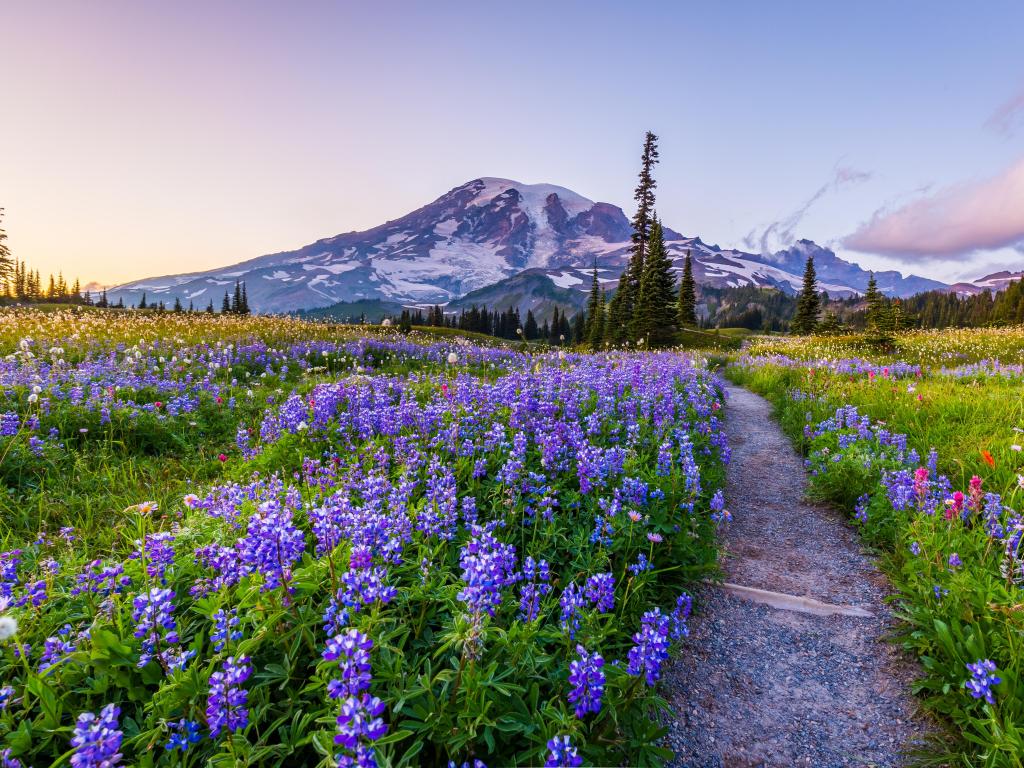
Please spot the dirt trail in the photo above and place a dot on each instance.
(765, 686)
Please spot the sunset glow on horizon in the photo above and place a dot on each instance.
(144, 139)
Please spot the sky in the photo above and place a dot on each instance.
(146, 138)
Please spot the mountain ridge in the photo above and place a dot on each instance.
(481, 234)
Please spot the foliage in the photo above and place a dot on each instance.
(392, 548)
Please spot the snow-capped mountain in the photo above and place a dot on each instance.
(479, 235)
(995, 282)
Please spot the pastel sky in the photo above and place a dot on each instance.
(144, 138)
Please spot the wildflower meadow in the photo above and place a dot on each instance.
(260, 541)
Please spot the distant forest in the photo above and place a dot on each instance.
(769, 309)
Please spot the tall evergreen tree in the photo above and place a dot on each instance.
(530, 330)
(225, 306)
(877, 319)
(593, 302)
(656, 301)
(687, 295)
(808, 306)
(7, 263)
(142, 301)
(622, 323)
(245, 300)
(596, 326)
(177, 305)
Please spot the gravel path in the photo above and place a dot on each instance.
(761, 686)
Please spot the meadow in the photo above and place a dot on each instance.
(259, 541)
(920, 442)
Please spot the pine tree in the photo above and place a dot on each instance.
(530, 329)
(809, 304)
(687, 295)
(555, 328)
(225, 307)
(830, 324)
(877, 319)
(622, 311)
(209, 307)
(177, 305)
(142, 301)
(7, 264)
(656, 301)
(593, 303)
(579, 328)
(245, 300)
(596, 330)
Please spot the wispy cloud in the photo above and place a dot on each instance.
(781, 233)
(1009, 115)
(955, 221)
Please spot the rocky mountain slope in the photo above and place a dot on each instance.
(492, 239)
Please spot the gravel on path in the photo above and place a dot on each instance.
(761, 686)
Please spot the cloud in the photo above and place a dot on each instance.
(780, 233)
(955, 221)
(1008, 115)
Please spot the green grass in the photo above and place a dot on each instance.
(973, 423)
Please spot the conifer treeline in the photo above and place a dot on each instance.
(504, 325)
(23, 284)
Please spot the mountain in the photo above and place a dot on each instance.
(493, 239)
(995, 282)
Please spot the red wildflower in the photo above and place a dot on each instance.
(987, 457)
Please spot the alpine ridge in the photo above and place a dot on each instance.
(475, 238)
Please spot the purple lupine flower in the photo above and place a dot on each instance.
(600, 591)
(603, 531)
(227, 707)
(8, 761)
(272, 545)
(153, 613)
(488, 565)
(352, 652)
(684, 605)
(360, 719)
(587, 679)
(860, 510)
(983, 677)
(665, 458)
(719, 514)
(35, 593)
(57, 648)
(97, 740)
(362, 585)
(954, 561)
(159, 554)
(562, 754)
(915, 549)
(536, 578)
(640, 565)
(9, 424)
(571, 602)
(224, 632)
(6, 695)
(650, 646)
(184, 734)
